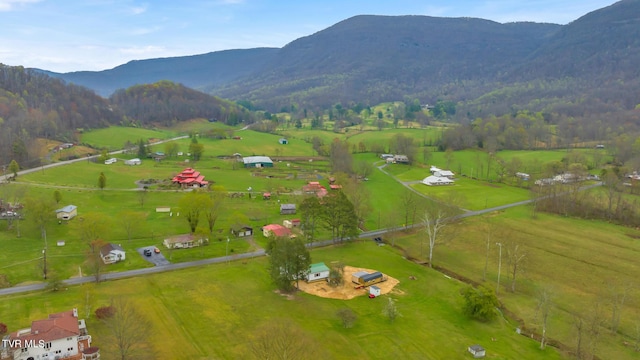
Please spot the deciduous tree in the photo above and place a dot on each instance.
(14, 168)
(102, 181)
(289, 261)
(480, 303)
(128, 331)
(339, 216)
(191, 206)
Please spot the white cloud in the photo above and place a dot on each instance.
(8, 5)
(137, 10)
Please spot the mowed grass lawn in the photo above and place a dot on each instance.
(216, 311)
(582, 263)
(114, 137)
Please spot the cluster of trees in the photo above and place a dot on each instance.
(335, 212)
(166, 103)
(198, 204)
(34, 105)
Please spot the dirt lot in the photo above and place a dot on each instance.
(347, 290)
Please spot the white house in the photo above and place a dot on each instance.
(61, 336)
(184, 241)
(444, 173)
(67, 213)
(110, 161)
(437, 180)
(317, 271)
(134, 161)
(112, 253)
(374, 290)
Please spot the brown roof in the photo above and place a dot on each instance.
(182, 238)
(57, 326)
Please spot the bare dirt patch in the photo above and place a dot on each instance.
(347, 290)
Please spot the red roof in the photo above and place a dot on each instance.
(277, 230)
(57, 326)
(189, 176)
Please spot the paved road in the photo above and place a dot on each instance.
(249, 255)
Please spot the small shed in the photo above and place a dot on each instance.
(477, 351)
(317, 271)
(283, 141)
(287, 209)
(374, 290)
(67, 213)
(241, 230)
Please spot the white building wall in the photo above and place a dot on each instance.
(58, 347)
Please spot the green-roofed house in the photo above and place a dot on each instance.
(318, 271)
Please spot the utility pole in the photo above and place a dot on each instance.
(227, 250)
(44, 257)
(499, 266)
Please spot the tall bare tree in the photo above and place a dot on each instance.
(131, 221)
(128, 331)
(545, 302)
(435, 220)
(281, 339)
(213, 205)
(516, 256)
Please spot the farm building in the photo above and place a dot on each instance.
(365, 279)
(437, 180)
(134, 161)
(477, 351)
(386, 156)
(183, 241)
(190, 178)
(317, 271)
(287, 209)
(67, 213)
(112, 253)
(314, 187)
(291, 223)
(276, 230)
(241, 230)
(283, 141)
(257, 161)
(400, 159)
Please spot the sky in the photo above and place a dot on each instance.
(74, 35)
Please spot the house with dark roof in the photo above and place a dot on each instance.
(112, 253)
(61, 336)
(287, 209)
(241, 230)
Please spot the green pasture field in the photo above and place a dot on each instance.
(216, 311)
(114, 137)
(582, 263)
(476, 195)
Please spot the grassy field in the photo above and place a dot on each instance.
(583, 263)
(229, 303)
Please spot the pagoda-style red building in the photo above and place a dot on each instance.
(190, 178)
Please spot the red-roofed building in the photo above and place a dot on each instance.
(276, 230)
(314, 187)
(61, 336)
(190, 178)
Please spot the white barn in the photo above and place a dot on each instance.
(437, 180)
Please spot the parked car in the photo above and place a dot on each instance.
(156, 250)
(147, 252)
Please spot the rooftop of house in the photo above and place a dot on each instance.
(57, 326)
